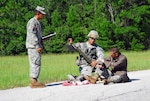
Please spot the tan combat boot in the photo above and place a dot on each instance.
(104, 81)
(35, 84)
(94, 78)
(91, 79)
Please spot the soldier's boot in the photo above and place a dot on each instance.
(35, 84)
(90, 79)
(107, 81)
(104, 81)
(99, 79)
(95, 78)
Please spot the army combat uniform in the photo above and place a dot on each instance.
(94, 52)
(34, 41)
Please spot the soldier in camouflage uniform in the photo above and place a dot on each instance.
(95, 53)
(117, 63)
(34, 46)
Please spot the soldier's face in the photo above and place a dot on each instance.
(92, 40)
(41, 15)
(113, 54)
(70, 40)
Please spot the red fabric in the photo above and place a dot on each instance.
(76, 83)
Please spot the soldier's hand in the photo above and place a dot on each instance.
(45, 39)
(94, 63)
(100, 66)
(102, 60)
(39, 50)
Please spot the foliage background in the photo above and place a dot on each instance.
(121, 23)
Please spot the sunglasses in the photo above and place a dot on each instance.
(93, 38)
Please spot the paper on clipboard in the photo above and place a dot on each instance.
(48, 36)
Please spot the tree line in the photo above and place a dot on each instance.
(121, 23)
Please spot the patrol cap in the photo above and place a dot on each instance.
(40, 9)
(93, 34)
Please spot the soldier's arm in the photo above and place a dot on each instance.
(107, 61)
(122, 62)
(100, 55)
(32, 31)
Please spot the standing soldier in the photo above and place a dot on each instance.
(34, 46)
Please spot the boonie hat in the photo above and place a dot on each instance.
(40, 9)
(93, 34)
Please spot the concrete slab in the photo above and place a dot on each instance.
(136, 90)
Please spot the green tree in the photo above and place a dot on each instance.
(122, 23)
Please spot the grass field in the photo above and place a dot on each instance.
(14, 70)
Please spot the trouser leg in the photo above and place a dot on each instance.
(123, 75)
(118, 77)
(86, 74)
(85, 71)
(114, 79)
(35, 62)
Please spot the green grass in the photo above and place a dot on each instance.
(138, 60)
(14, 70)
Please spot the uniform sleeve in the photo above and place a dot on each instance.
(32, 38)
(78, 45)
(100, 54)
(107, 61)
(120, 64)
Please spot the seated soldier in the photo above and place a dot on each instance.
(117, 63)
(95, 53)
